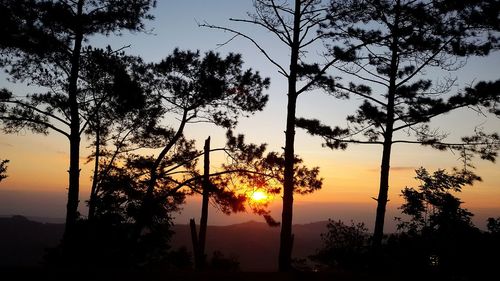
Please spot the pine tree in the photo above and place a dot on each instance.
(44, 44)
(401, 39)
(294, 24)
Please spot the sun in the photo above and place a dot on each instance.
(259, 196)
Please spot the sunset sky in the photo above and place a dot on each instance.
(37, 172)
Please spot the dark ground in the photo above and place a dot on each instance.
(254, 245)
(23, 243)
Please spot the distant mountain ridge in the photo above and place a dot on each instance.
(254, 244)
(36, 219)
(23, 241)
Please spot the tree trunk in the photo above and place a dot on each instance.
(74, 138)
(286, 240)
(382, 198)
(144, 216)
(204, 207)
(382, 195)
(93, 190)
(194, 240)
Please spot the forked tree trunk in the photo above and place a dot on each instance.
(204, 206)
(199, 241)
(145, 213)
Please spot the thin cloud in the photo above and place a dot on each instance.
(396, 169)
(6, 144)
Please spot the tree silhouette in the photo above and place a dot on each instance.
(122, 186)
(487, 89)
(494, 225)
(3, 169)
(402, 39)
(122, 189)
(121, 108)
(120, 192)
(294, 24)
(44, 44)
(230, 188)
(3, 163)
(344, 246)
(217, 187)
(197, 88)
(439, 228)
(432, 206)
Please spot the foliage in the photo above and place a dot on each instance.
(494, 225)
(219, 262)
(432, 207)
(397, 45)
(213, 89)
(258, 171)
(398, 41)
(122, 188)
(438, 242)
(106, 245)
(344, 246)
(209, 89)
(186, 86)
(44, 44)
(440, 231)
(3, 169)
(294, 24)
(119, 110)
(487, 89)
(111, 236)
(37, 42)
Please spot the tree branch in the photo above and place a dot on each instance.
(37, 110)
(48, 125)
(282, 70)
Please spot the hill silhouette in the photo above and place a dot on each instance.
(254, 244)
(23, 242)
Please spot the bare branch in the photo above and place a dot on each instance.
(425, 63)
(200, 177)
(285, 27)
(282, 36)
(282, 70)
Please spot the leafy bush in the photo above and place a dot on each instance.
(344, 246)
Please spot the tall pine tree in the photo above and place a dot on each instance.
(402, 39)
(44, 44)
(294, 24)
